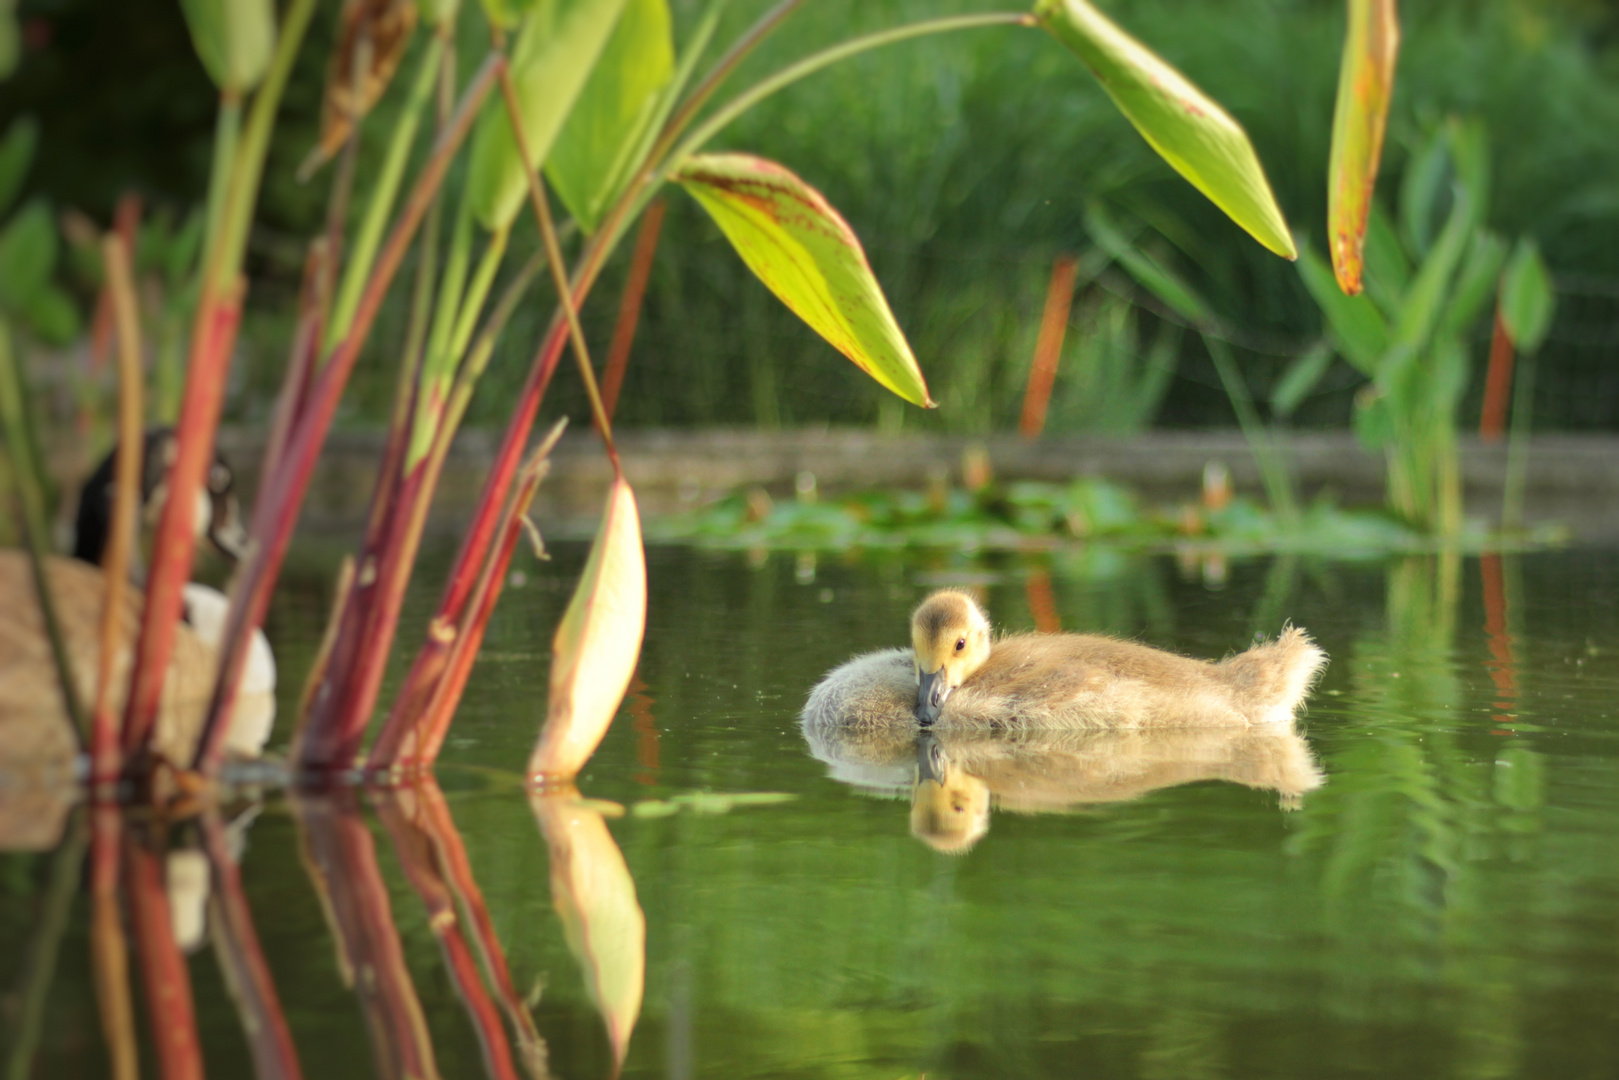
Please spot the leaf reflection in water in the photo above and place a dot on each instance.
(956, 777)
(595, 898)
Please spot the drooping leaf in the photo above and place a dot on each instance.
(597, 643)
(234, 40)
(1527, 299)
(27, 255)
(1365, 86)
(1300, 378)
(16, 154)
(802, 249)
(594, 896)
(552, 57)
(1357, 327)
(1188, 129)
(589, 158)
(384, 27)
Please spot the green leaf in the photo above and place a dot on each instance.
(1527, 299)
(10, 40)
(502, 13)
(438, 12)
(1477, 279)
(1388, 271)
(27, 255)
(806, 254)
(1300, 378)
(16, 154)
(52, 315)
(234, 39)
(1424, 300)
(1374, 423)
(1365, 86)
(1189, 130)
(1357, 327)
(1420, 189)
(590, 158)
(550, 62)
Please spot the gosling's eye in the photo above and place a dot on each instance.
(961, 643)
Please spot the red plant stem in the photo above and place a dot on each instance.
(464, 650)
(1501, 666)
(1042, 604)
(213, 337)
(108, 947)
(415, 855)
(1048, 346)
(395, 746)
(164, 977)
(236, 944)
(629, 308)
(342, 859)
(105, 759)
(1492, 422)
(457, 870)
(282, 495)
(300, 362)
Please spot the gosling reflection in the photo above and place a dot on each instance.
(955, 777)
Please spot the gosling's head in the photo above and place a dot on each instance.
(949, 807)
(950, 638)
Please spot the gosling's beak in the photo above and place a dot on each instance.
(931, 764)
(931, 690)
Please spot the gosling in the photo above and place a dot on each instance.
(958, 674)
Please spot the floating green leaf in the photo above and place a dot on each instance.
(1365, 86)
(597, 643)
(1189, 130)
(234, 40)
(552, 58)
(1527, 299)
(805, 253)
(16, 154)
(590, 158)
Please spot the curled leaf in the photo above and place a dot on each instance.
(597, 643)
(1365, 86)
(1189, 130)
(594, 896)
(371, 40)
(551, 59)
(802, 249)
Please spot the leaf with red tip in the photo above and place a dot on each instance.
(1365, 86)
(597, 643)
(802, 249)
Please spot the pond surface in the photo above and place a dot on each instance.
(1446, 904)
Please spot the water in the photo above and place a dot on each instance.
(1445, 905)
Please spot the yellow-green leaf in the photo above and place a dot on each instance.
(1189, 130)
(589, 160)
(1365, 86)
(234, 40)
(597, 643)
(802, 249)
(553, 56)
(602, 920)
(1527, 299)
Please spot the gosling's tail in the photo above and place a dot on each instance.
(1272, 679)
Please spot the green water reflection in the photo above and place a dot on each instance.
(1441, 899)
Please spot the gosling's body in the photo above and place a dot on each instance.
(1071, 681)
